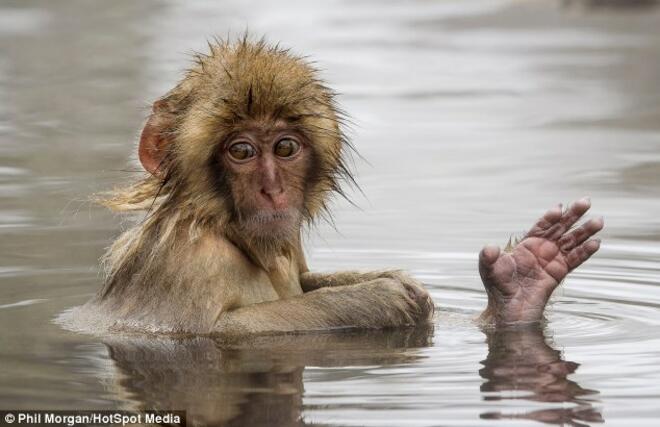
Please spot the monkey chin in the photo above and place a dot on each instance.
(272, 224)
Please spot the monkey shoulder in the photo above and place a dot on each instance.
(186, 291)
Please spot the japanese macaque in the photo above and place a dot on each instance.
(243, 153)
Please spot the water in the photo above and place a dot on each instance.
(474, 116)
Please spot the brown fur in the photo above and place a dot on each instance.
(191, 261)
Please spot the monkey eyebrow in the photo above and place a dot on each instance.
(289, 134)
(233, 137)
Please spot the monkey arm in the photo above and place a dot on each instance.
(379, 303)
(312, 281)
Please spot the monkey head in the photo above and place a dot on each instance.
(249, 141)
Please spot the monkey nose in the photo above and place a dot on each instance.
(275, 197)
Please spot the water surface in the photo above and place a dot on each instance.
(474, 116)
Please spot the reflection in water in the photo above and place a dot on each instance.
(520, 360)
(255, 384)
(473, 116)
(612, 4)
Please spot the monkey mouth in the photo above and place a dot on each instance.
(272, 222)
(266, 217)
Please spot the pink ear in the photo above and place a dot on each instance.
(151, 150)
(153, 146)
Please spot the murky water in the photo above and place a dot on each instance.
(474, 116)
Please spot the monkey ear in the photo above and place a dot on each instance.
(153, 145)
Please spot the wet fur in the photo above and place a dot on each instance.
(192, 258)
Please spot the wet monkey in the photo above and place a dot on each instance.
(242, 153)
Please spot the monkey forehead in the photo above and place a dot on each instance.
(207, 126)
(266, 130)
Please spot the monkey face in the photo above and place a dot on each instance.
(249, 142)
(267, 166)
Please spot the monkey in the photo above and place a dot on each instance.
(240, 156)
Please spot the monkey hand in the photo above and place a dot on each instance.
(520, 279)
(415, 292)
(403, 287)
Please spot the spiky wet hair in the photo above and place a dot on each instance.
(231, 85)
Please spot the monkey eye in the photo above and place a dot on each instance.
(242, 151)
(286, 147)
